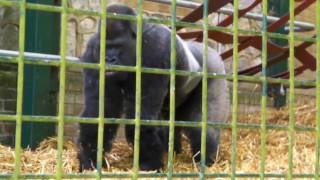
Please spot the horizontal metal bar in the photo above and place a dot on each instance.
(178, 123)
(54, 60)
(180, 3)
(155, 175)
(35, 56)
(299, 25)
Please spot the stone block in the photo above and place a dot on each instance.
(1, 105)
(79, 98)
(10, 105)
(8, 93)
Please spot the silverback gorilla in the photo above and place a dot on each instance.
(120, 91)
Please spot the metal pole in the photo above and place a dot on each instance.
(35, 56)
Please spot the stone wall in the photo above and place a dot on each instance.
(8, 77)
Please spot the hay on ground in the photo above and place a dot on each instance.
(43, 159)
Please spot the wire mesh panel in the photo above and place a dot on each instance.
(138, 121)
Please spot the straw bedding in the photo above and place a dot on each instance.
(43, 159)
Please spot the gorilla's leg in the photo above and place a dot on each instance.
(154, 90)
(191, 110)
(113, 108)
(177, 133)
(87, 145)
(89, 132)
(110, 131)
(151, 147)
(177, 140)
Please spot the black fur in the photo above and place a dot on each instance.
(120, 92)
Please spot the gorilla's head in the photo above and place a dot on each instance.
(120, 38)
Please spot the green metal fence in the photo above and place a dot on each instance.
(60, 119)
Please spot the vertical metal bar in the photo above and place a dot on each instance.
(172, 87)
(317, 165)
(291, 90)
(204, 90)
(138, 92)
(263, 129)
(63, 53)
(101, 87)
(234, 90)
(22, 27)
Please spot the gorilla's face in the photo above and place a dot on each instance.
(120, 44)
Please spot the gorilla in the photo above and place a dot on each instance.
(120, 91)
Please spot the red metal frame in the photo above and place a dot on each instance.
(279, 53)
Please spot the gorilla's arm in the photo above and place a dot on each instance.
(113, 107)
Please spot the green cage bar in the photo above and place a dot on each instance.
(63, 66)
(22, 26)
(138, 92)
(234, 89)
(204, 90)
(317, 165)
(21, 59)
(263, 130)
(172, 88)
(73, 119)
(291, 132)
(158, 175)
(103, 29)
(70, 63)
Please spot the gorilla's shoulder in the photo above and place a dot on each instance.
(156, 46)
(158, 36)
(157, 32)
